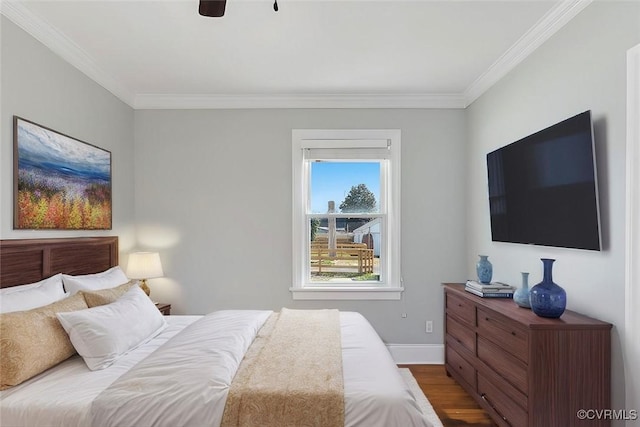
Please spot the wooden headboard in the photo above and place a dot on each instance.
(30, 260)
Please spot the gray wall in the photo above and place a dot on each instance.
(582, 67)
(38, 85)
(213, 193)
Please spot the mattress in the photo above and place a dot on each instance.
(375, 393)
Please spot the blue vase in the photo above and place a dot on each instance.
(521, 296)
(484, 269)
(547, 299)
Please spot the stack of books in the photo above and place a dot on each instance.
(489, 290)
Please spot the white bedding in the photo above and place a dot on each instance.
(375, 393)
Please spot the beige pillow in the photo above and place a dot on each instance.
(107, 296)
(33, 341)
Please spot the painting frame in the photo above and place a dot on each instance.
(59, 182)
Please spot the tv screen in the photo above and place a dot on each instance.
(543, 188)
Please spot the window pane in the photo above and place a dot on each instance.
(344, 250)
(354, 187)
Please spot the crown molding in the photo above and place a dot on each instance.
(63, 46)
(177, 101)
(60, 44)
(556, 18)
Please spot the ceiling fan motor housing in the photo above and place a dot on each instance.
(212, 8)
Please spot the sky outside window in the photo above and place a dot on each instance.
(333, 181)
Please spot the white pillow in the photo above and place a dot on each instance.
(33, 295)
(92, 282)
(101, 335)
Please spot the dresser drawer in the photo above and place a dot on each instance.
(458, 364)
(508, 366)
(462, 334)
(505, 333)
(461, 308)
(496, 394)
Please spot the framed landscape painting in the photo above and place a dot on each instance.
(60, 183)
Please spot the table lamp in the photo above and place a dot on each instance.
(143, 266)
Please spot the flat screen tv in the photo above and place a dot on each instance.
(543, 188)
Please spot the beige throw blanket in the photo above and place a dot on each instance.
(291, 374)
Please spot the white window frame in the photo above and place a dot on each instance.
(390, 285)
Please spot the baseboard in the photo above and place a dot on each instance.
(422, 354)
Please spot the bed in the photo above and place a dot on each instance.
(157, 383)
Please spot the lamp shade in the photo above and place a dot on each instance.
(144, 265)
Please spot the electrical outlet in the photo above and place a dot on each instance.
(404, 315)
(429, 326)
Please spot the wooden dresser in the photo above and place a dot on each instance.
(523, 369)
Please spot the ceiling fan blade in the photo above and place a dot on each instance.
(212, 8)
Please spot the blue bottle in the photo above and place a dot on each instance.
(484, 269)
(521, 295)
(548, 299)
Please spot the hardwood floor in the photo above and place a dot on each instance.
(454, 406)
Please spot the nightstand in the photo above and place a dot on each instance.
(165, 309)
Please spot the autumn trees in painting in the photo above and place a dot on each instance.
(60, 182)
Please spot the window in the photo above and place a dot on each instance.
(346, 214)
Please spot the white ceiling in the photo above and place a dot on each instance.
(311, 53)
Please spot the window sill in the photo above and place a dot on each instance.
(345, 293)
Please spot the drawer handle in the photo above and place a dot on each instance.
(513, 333)
(484, 397)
